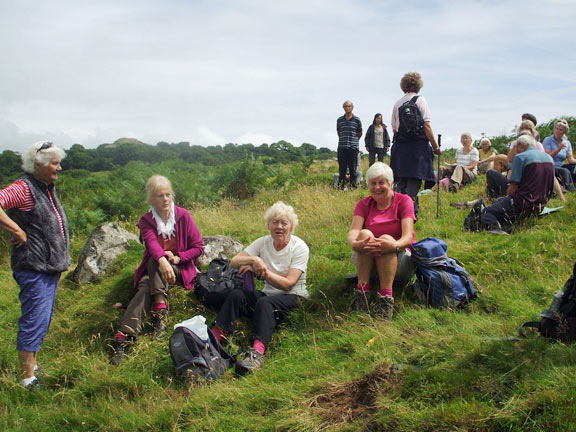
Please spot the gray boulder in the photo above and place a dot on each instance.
(218, 246)
(105, 244)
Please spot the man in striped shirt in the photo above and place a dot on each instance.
(349, 128)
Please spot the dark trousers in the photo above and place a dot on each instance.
(265, 311)
(564, 176)
(140, 305)
(374, 153)
(496, 184)
(501, 214)
(410, 187)
(347, 160)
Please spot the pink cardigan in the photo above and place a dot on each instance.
(190, 245)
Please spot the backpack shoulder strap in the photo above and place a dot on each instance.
(528, 324)
(414, 98)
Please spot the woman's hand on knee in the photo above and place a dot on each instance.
(166, 270)
(381, 246)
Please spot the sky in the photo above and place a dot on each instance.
(212, 72)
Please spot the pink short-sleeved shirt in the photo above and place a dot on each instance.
(387, 221)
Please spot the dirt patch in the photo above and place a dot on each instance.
(354, 400)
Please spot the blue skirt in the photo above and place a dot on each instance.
(412, 159)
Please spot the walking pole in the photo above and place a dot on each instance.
(438, 180)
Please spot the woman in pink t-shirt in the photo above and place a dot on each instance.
(382, 228)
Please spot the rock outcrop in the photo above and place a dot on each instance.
(218, 246)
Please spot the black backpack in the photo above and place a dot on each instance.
(558, 321)
(410, 118)
(218, 281)
(473, 221)
(196, 360)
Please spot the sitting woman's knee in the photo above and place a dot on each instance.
(387, 237)
(365, 234)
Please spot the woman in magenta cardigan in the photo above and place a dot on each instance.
(172, 244)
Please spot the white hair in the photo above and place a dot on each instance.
(527, 140)
(379, 169)
(35, 153)
(280, 210)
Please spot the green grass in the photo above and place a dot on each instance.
(466, 376)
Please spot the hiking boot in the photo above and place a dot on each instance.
(360, 301)
(34, 385)
(119, 346)
(385, 307)
(459, 205)
(160, 322)
(249, 361)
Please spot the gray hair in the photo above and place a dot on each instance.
(280, 210)
(467, 135)
(483, 140)
(156, 182)
(379, 169)
(347, 101)
(564, 124)
(35, 153)
(527, 140)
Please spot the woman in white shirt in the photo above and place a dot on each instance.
(465, 170)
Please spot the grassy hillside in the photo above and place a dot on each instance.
(462, 374)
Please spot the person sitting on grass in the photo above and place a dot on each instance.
(172, 243)
(381, 231)
(558, 146)
(531, 185)
(486, 155)
(464, 171)
(280, 259)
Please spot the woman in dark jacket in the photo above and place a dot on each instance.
(377, 140)
(40, 248)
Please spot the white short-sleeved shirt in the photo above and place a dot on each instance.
(420, 102)
(466, 159)
(293, 256)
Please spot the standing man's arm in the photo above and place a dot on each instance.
(430, 135)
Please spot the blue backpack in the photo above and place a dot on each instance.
(441, 281)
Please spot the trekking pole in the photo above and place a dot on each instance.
(438, 180)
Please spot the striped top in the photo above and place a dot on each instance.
(18, 196)
(349, 131)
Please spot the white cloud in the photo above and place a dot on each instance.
(206, 71)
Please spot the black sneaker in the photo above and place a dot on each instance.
(385, 307)
(119, 346)
(360, 301)
(160, 322)
(249, 361)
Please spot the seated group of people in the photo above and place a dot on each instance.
(380, 235)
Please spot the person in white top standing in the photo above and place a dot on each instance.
(281, 260)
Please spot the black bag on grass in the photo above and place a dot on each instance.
(195, 359)
(473, 221)
(217, 282)
(558, 321)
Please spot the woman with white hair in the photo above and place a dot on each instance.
(464, 171)
(486, 156)
(558, 146)
(381, 232)
(280, 259)
(172, 244)
(38, 227)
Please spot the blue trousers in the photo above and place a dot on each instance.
(37, 295)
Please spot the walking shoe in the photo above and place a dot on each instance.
(119, 347)
(249, 361)
(33, 385)
(459, 205)
(497, 232)
(160, 322)
(385, 307)
(360, 301)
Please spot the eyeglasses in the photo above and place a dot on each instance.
(45, 146)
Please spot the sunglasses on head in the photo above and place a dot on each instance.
(45, 146)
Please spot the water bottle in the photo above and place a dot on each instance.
(248, 279)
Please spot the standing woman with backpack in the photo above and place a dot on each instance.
(411, 157)
(377, 140)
